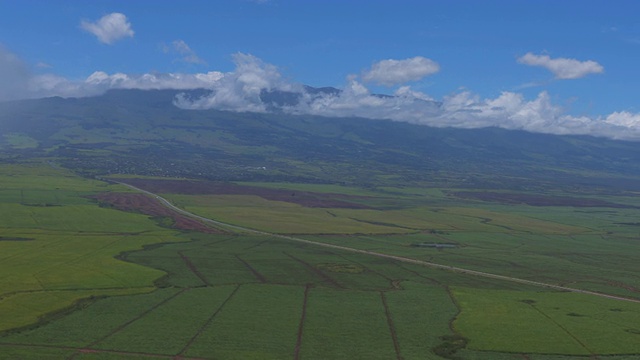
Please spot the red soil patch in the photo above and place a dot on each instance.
(537, 200)
(195, 187)
(149, 206)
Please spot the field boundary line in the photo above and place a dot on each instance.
(392, 326)
(364, 267)
(180, 354)
(255, 272)
(214, 243)
(564, 329)
(191, 266)
(92, 351)
(433, 265)
(316, 271)
(136, 318)
(303, 316)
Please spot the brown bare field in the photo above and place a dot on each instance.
(149, 206)
(195, 187)
(537, 200)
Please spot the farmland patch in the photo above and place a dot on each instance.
(303, 198)
(341, 268)
(546, 322)
(537, 200)
(149, 206)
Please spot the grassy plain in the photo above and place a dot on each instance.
(358, 326)
(543, 322)
(57, 247)
(277, 216)
(250, 329)
(258, 296)
(173, 323)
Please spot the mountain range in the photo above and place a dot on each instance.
(143, 132)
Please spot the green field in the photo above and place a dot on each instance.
(85, 281)
(58, 247)
(542, 322)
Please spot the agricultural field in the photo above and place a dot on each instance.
(97, 270)
(57, 246)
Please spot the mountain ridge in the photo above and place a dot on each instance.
(142, 131)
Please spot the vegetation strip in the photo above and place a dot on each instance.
(94, 351)
(296, 355)
(316, 271)
(392, 327)
(388, 256)
(180, 355)
(582, 344)
(255, 272)
(121, 327)
(193, 268)
(394, 283)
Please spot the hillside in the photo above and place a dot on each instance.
(444, 243)
(143, 132)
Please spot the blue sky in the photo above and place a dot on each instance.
(575, 62)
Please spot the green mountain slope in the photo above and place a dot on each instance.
(143, 132)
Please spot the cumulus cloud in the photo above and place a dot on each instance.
(109, 28)
(393, 72)
(624, 119)
(17, 82)
(99, 82)
(243, 90)
(240, 90)
(562, 68)
(509, 110)
(154, 81)
(187, 54)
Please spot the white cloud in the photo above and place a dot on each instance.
(109, 28)
(406, 91)
(393, 72)
(154, 81)
(97, 83)
(188, 55)
(563, 68)
(241, 89)
(624, 119)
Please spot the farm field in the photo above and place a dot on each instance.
(58, 247)
(159, 284)
(571, 323)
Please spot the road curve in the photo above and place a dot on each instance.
(455, 269)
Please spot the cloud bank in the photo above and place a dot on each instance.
(244, 89)
(393, 72)
(562, 68)
(99, 82)
(109, 28)
(241, 90)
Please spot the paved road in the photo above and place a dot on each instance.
(455, 269)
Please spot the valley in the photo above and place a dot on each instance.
(125, 239)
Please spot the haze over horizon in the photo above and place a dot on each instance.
(549, 67)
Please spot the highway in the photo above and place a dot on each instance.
(429, 264)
